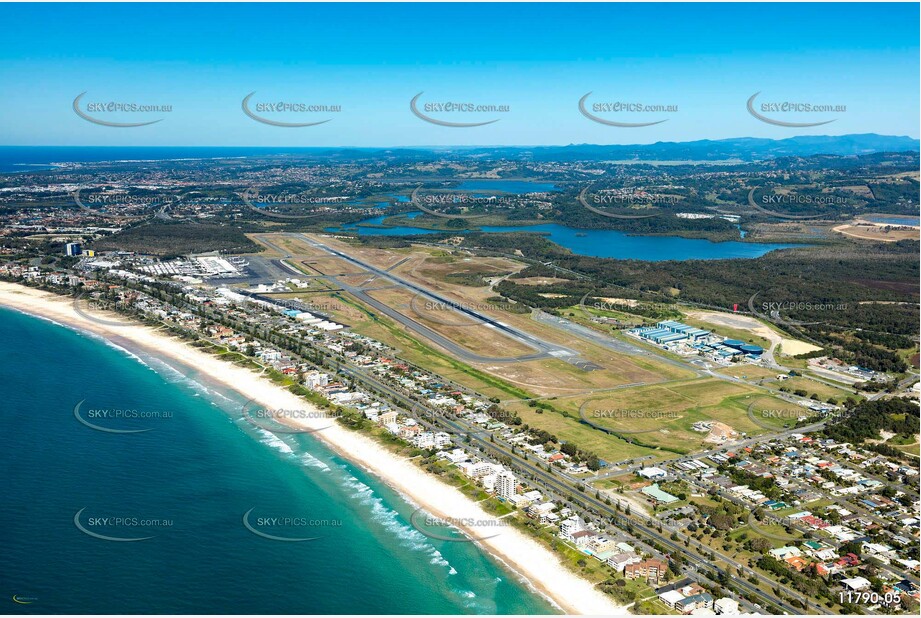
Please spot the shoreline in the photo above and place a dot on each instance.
(540, 569)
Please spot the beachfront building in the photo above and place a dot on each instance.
(652, 570)
(620, 561)
(671, 597)
(506, 485)
(315, 380)
(696, 601)
(726, 607)
(543, 512)
(477, 469)
(570, 526)
(525, 500)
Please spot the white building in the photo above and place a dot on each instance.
(506, 485)
(314, 379)
(543, 512)
(570, 526)
(653, 474)
(782, 553)
(726, 607)
(621, 560)
(856, 583)
(671, 597)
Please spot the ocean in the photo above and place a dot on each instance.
(33, 158)
(178, 516)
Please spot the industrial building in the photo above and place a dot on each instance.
(690, 339)
(744, 348)
(670, 331)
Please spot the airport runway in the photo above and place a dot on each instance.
(543, 349)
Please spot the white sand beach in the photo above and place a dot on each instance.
(541, 568)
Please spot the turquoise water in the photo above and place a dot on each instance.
(605, 243)
(198, 471)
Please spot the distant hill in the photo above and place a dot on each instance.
(741, 148)
(744, 148)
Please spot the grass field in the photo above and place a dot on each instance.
(661, 415)
(446, 267)
(331, 266)
(824, 391)
(567, 427)
(291, 244)
(911, 449)
(460, 329)
(750, 372)
(775, 413)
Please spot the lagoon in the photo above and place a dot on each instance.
(601, 243)
(895, 220)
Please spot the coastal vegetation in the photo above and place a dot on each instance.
(173, 239)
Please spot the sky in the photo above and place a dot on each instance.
(698, 64)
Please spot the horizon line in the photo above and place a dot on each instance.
(451, 146)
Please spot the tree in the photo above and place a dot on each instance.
(722, 522)
(760, 545)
